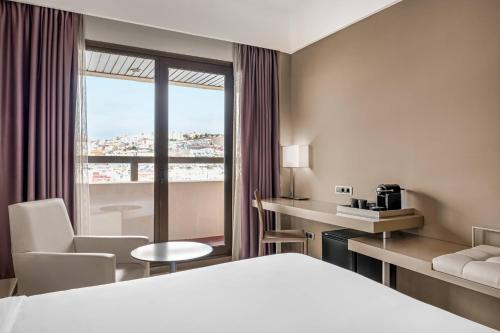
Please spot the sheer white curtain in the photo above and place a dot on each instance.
(236, 156)
(82, 196)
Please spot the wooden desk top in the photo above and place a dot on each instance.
(326, 212)
(7, 287)
(415, 253)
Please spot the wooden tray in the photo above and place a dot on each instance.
(348, 210)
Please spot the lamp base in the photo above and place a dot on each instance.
(294, 197)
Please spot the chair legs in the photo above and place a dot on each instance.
(261, 249)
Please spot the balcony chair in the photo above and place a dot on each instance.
(49, 257)
(276, 236)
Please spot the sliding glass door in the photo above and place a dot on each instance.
(120, 124)
(197, 159)
(160, 145)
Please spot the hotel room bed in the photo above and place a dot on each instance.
(279, 293)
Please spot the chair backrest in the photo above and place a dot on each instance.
(42, 225)
(260, 212)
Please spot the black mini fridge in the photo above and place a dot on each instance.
(334, 251)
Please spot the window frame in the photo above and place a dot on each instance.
(164, 61)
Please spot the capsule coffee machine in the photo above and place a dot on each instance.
(389, 196)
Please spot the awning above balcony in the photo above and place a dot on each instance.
(142, 69)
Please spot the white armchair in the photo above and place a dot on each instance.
(49, 257)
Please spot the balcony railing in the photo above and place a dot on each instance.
(196, 208)
(134, 161)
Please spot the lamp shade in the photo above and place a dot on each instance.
(295, 156)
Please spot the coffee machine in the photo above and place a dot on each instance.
(389, 196)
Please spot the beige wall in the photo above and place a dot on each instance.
(411, 96)
(116, 32)
(196, 209)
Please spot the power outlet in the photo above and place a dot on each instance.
(310, 235)
(343, 190)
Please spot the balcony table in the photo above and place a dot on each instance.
(171, 252)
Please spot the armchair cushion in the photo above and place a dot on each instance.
(120, 246)
(480, 264)
(41, 225)
(126, 272)
(41, 272)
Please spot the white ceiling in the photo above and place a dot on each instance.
(285, 25)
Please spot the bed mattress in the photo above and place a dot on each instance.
(279, 293)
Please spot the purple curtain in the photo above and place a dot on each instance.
(259, 138)
(38, 77)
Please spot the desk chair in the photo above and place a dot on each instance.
(277, 236)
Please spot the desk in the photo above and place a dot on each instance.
(326, 212)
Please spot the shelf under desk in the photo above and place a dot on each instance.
(415, 253)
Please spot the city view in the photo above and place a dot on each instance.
(180, 145)
(121, 124)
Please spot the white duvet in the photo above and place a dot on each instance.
(281, 293)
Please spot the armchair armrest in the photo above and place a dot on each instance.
(41, 272)
(120, 246)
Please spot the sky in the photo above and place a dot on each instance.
(124, 107)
